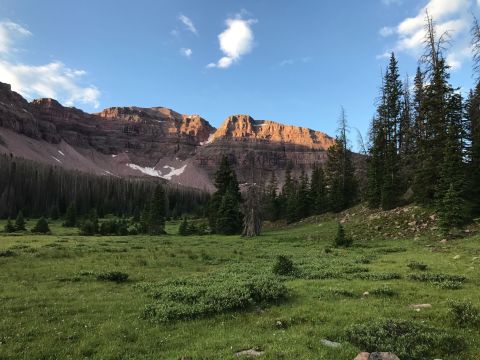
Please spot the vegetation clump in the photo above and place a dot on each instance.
(384, 291)
(463, 313)
(415, 265)
(115, 276)
(192, 298)
(283, 266)
(341, 239)
(407, 339)
(20, 222)
(9, 227)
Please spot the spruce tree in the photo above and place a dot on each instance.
(318, 192)
(41, 226)
(451, 210)
(229, 218)
(272, 203)
(158, 208)
(472, 116)
(20, 222)
(9, 227)
(227, 194)
(303, 204)
(71, 216)
(183, 228)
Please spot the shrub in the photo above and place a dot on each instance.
(115, 276)
(195, 297)
(449, 284)
(414, 265)
(378, 276)
(114, 227)
(42, 226)
(7, 253)
(341, 239)
(183, 228)
(406, 339)
(70, 216)
(463, 313)
(384, 291)
(437, 277)
(342, 292)
(283, 266)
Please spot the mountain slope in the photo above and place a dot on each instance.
(159, 142)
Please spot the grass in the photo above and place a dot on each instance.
(54, 306)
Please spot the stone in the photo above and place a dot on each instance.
(420, 306)
(249, 353)
(456, 257)
(362, 356)
(329, 343)
(365, 294)
(376, 356)
(443, 241)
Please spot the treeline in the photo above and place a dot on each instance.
(425, 142)
(44, 190)
(332, 187)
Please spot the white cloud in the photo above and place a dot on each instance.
(303, 60)
(9, 31)
(188, 23)
(235, 41)
(451, 16)
(54, 80)
(186, 52)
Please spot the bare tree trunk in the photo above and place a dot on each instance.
(252, 222)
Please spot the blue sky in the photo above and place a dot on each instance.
(295, 62)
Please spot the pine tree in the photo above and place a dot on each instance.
(158, 208)
(225, 182)
(42, 226)
(472, 116)
(303, 204)
(229, 218)
(339, 171)
(71, 216)
(451, 210)
(20, 222)
(341, 239)
(183, 228)
(318, 192)
(9, 227)
(272, 203)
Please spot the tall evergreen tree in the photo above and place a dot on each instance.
(227, 195)
(71, 216)
(303, 206)
(318, 191)
(272, 202)
(158, 206)
(340, 171)
(20, 222)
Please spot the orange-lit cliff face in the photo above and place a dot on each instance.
(134, 141)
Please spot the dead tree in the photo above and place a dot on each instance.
(252, 221)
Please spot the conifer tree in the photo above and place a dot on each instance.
(303, 206)
(227, 194)
(318, 193)
(41, 226)
(183, 228)
(252, 221)
(272, 203)
(158, 208)
(20, 222)
(339, 170)
(71, 216)
(451, 210)
(9, 227)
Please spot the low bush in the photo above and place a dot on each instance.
(414, 265)
(384, 291)
(283, 266)
(407, 339)
(115, 276)
(342, 292)
(341, 239)
(7, 253)
(378, 276)
(114, 227)
(437, 278)
(463, 313)
(192, 298)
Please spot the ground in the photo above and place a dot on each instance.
(53, 306)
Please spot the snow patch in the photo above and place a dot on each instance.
(61, 153)
(209, 140)
(151, 171)
(173, 171)
(146, 170)
(54, 158)
(114, 156)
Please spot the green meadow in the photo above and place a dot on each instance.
(63, 296)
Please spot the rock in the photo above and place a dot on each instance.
(365, 294)
(443, 241)
(456, 257)
(420, 306)
(331, 344)
(376, 356)
(249, 353)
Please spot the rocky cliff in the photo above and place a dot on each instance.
(159, 142)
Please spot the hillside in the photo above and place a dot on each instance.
(155, 142)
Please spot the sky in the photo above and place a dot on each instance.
(296, 62)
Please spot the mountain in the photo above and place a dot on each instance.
(159, 142)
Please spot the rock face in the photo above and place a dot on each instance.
(134, 141)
